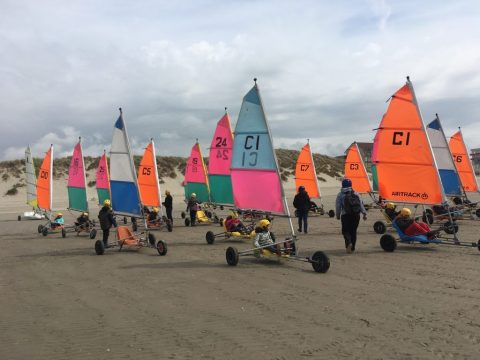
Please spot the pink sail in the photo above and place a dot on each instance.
(102, 181)
(195, 171)
(221, 148)
(76, 171)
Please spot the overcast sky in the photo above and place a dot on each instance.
(324, 68)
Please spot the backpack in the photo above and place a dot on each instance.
(352, 203)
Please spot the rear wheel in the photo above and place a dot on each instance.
(151, 239)
(40, 229)
(187, 222)
(320, 262)
(44, 231)
(162, 248)
(331, 213)
(232, 256)
(93, 233)
(388, 243)
(450, 228)
(99, 247)
(64, 233)
(210, 237)
(379, 227)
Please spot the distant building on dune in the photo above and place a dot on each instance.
(475, 156)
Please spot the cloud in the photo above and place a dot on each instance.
(324, 69)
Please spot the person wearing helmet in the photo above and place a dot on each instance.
(106, 219)
(349, 206)
(234, 224)
(168, 204)
(263, 238)
(82, 220)
(58, 221)
(153, 217)
(412, 227)
(301, 202)
(192, 208)
(390, 210)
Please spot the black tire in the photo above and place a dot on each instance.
(162, 248)
(93, 233)
(450, 228)
(220, 221)
(44, 231)
(216, 220)
(169, 225)
(478, 245)
(19, 218)
(231, 256)
(477, 212)
(134, 226)
(429, 211)
(210, 237)
(388, 243)
(187, 222)
(125, 220)
(183, 214)
(221, 207)
(379, 227)
(64, 233)
(208, 213)
(99, 247)
(40, 229)
(331, 213)
(320, 262)
(457, 201)
(151, 239)
(427, 217)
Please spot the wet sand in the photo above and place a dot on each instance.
(61, 301)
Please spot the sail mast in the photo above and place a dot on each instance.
(157, 179)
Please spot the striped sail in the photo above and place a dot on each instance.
(219, 163)
(77, 191)
(255, 178)
(196, 180)
(404, 165)
(443, 157)
(102, 180)
(30, 179)
(123, 178)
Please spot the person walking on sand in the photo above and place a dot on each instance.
(301, 202)
(106, 219)
(192, 207)
(349, 206)
(168, 204)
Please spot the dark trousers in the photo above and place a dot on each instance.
(349, 228)
(169, 214)
(193, 217)
(106, 234)
(302, 218)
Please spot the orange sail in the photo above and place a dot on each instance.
(44, 182)
(402, 156)
(355, 170)
(305, 174)
(462, 162)
(148, 178)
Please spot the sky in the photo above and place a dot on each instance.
(325, 69)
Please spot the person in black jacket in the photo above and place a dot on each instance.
(168, 203)
(301, 202)
(106, 219)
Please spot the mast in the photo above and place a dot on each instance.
(51, 182)
(84, 170)
(468, 158)
(156, 176)
(314, 170)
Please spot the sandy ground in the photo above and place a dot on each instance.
(61, 301)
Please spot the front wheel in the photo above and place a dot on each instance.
(210, 237)
(93, 234)
(45, 231)
(232, 256)
(379, 227)
(162, 248)
(388, 243)
(320, 262)
(99, 247)
(40, 229)
(450, 228)
(331, 213)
